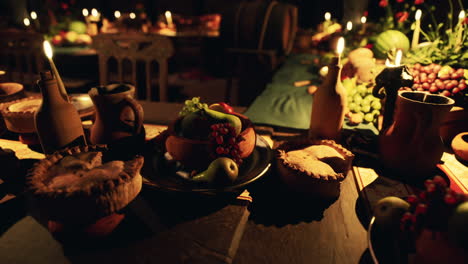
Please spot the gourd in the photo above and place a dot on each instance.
(388, 40)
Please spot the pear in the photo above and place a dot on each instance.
(458, 225)
(221, 171)
(389, 210)
(195, 126)
(228, 118)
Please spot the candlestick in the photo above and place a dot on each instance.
(460, 28)
(169, 21)
(48, 52)
(327, 22)
(417, 29)
(363, 22)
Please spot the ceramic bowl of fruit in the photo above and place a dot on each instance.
(203, 133)
(430, 226)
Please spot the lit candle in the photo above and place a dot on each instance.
(48, 52)
(26, 22)
(349, 26)
(327, 16)
(95, 15)
(117, 14)
(85, 12)
(168, 15)
(339, 48)
(417, 29)
(363, 22)
(396, 61)
(33, 15)
(132, 15)
(460, 28)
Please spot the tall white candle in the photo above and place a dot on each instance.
(417, 29)
(170, 23)
(363, 22)
(48, 52)
(460, 28)
(349, 26)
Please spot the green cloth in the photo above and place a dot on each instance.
(284, 105)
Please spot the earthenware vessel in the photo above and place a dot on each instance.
(411, 145)
(113, 120)
(196, 153)
(328, 107)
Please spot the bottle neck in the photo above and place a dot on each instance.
(50, 91)
(333, 76)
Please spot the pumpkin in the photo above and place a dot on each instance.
(390, 39)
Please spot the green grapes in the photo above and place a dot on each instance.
(192, 106)
(364, 107)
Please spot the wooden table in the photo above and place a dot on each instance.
(281, 228)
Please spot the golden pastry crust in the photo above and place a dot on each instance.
(74, 184)
(316, 167)
(19, 114)
(322, 159)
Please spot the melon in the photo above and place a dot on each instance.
(78, 27)
(390, 39)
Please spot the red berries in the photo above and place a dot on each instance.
(437, 79)
(224, 142)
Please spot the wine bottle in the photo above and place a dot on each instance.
(57, 121)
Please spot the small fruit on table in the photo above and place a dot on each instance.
(221, 171)
(389, 210)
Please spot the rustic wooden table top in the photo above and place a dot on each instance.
(277, 227)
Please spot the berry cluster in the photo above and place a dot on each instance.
(432, 207)
(224, 142)
(438, 79)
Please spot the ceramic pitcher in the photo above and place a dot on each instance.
(118, 115)
(411, 145)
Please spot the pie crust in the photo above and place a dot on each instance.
(314, 166)
(74, 185)
(19, 114)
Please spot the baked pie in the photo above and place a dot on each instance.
(75, 185)
(314, 167)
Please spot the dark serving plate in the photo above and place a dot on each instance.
(160, 175)
(384, 246)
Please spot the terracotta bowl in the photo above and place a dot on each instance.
(196, 154)
(11, 91)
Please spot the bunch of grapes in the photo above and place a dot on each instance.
(224, 142)
(438, 79)
(363, 105)
(432, 207)
(191, 106)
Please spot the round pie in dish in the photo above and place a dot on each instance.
(314, 167)
(75, 186)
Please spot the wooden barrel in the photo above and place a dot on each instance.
(259, 25)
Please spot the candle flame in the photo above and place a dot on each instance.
(388, 63)
(418, 14)
(132, 15)
(363, 19)
(26, 22)
(461, 15)
(340, 46)
(398, 57)
(33, 15)
(94, 12)
(85, 12)
(117, 14)
(349, 25)
(327, 16)
(47, 49)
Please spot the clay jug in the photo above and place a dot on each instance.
(57, 121)
(328, 107)
(119, 117)
(411, 145)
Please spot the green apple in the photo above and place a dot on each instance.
(221, 171)
(458, 225)
(71, 36)
(389, 210)
(225, 118)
